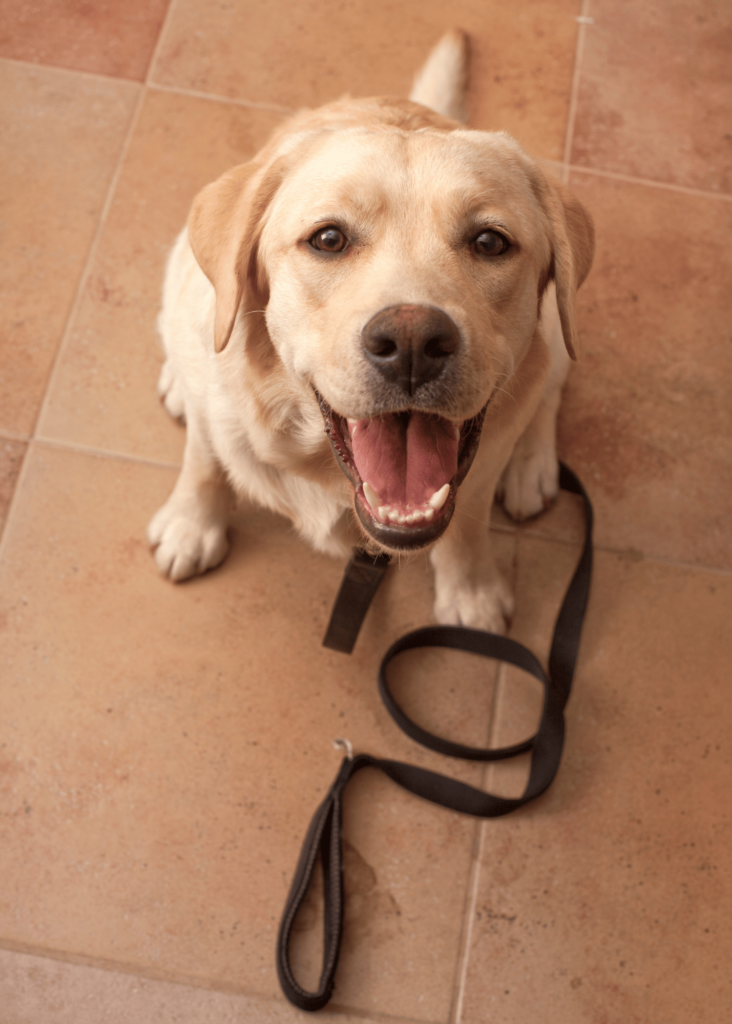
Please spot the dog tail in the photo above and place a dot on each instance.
(442, 83)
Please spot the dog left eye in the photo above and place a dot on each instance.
(491, 243)
(329, 240)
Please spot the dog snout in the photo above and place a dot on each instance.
(410, 345)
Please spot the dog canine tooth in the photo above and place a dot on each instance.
(439, 498)
(429, 514)
(371, 496)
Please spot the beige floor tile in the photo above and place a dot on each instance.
(647, 419)
(11, 459)
(37, 990)
(294, 57)
(165, 746)
(605, 900)
(62, 137)
(655, 92)
(104, 37)
(104, 392)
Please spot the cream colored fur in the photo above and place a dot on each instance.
(252, 323)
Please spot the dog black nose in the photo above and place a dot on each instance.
(410, 345)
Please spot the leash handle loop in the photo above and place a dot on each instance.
(323, 838)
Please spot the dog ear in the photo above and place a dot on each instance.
(223, 228)
(572, 239)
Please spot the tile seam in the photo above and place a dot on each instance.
(103, 453)
(172, 5)
(724, 197)
(89, 261)
(574, 94)
(216, 98)
(185, 981)
(470, 917)
(96, 75)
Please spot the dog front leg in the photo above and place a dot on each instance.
(189, 531)
(469, 589)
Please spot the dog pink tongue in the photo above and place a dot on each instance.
(405, 458)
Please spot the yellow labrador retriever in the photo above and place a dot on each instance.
(367, 329)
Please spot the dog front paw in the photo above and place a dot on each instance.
(486, 605)
(188, 539)
(529, 484)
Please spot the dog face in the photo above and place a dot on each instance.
(401, 274)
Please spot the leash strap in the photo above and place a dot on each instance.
(323, 837)
(360, 582)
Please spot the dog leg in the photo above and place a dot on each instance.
(170, 392)
(530, 481)
(189, 531)
(469, 589)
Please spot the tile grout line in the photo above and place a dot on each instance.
(129, 970)
(582, 22)
(103, 453)
(470, 914)
(456, 1017)
(89, 263)
(724, 197)
(216, 98)
(101, 223)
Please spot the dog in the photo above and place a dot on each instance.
(367, 329)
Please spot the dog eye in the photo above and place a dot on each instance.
(329, 240)
(491, 243)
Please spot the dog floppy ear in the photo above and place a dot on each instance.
(223, 228)
(572, 239)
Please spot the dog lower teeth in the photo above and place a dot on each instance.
(388, 514)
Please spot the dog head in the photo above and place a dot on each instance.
(400, 262)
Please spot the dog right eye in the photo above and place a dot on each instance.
(329, 239)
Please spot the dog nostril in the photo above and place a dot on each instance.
(440, 346)
(381, 345)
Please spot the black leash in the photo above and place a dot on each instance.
(360, 582)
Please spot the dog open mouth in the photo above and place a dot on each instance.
(405, 469)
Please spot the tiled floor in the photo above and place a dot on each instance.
(162, 747)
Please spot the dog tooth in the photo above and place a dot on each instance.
(352, 424)
(371, 496)
(439, 498)
(418, 515)
(384, 511)
(393, 515)
(429, 514)
(402, 520)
